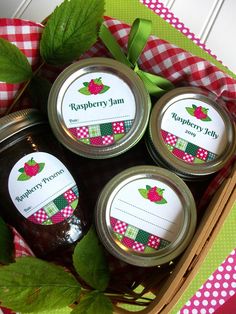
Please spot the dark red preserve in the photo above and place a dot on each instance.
(38, 194)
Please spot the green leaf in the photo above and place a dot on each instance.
(14, 66)
(105, 89)
(94, 303)
(86, 84)
(160, 191)
(162, 201)
(143, 192)
(21, 170)
(84, 91)
(148, 187)
(41, 166)
(90, 262)
(23, 177)
(6, 244)
(71, 30)
(194, 106)
(32, 285)
(190, 110)
(206, 119)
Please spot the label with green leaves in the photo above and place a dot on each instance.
(146, 215)
(98, 108)
(42, 189)
(194, 130)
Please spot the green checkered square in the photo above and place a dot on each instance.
(128, 124)
(94, 130)
(149, 249)
(198, 161)
(47, 222)
(211, 156)
(163, 244)
(85, 140)
(181, 144)
(191, 149)
(142, 237)
(60, 202)
(131, 232)
(51, 209)
(106, 129)
(117, 137)
(118, 236)
(170, 148)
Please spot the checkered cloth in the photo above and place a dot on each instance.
(159, 57)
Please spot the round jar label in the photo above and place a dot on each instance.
(146, 215)
(98, 108)
(193, 131)
(42, 189)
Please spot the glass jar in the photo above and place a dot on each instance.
(39, 196)
(145, 216)
(191, 133)
(98, 108)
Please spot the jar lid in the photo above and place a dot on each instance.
(191, 132)
(98, 108)
(18, 121)
(145, 216)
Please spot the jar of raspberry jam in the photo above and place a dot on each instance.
(39, 196)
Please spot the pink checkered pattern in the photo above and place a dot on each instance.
(154, 242)
(107, 139)
(118, 127)
(70, 196)
(202, 154)
(41, 215)
(120, 227)
(67, 211)
(171, 139)
(138, 247)
(21, 247)
(82, 132)
(188, 158)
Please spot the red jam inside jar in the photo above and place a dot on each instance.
(39, 196)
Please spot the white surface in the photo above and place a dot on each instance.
(213, 21)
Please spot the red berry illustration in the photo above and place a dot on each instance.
(95, 86)
(31, 168)
(153, 195)
(199, 113)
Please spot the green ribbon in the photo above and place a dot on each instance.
(138, 37)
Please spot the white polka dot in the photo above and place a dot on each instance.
(217, 285)
(188, 303)
(211, 277)
(186, 311)
(228, 268)
(194, 311)
(206, 294)
(223, 293)
(215, 294)
(205, 302)
(213, 302)
(211, 310)
(174, 20)
(196, 302)
(218, 276)
(233, 284)
(225, 285)
(152, 6)
(221, 301)
(153, 1)
(203, 311)
(231, 292)
(221, 268)
(198, 294)
(230, 260)
(208, 285)
(227, 276)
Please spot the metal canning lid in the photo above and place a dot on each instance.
(18, 121)
(98, 108)
(191, 133)
(145, 216)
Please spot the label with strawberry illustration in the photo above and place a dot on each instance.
(42, 189)
(193, 131)
(146, 215)
(98, 108)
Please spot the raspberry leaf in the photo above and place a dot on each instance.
(190, 110)
(148, 187)
(94, 302)
(84, 91)
(206, 119)
(105, 88)
(33, 285)
(194, 106)
(23, 177)
(86, 84)
(143, 192)
(162, 201)
(14, 66)
(21, 170)
(41, 166)
(6, 243)
(90, 262)
(71, 30)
